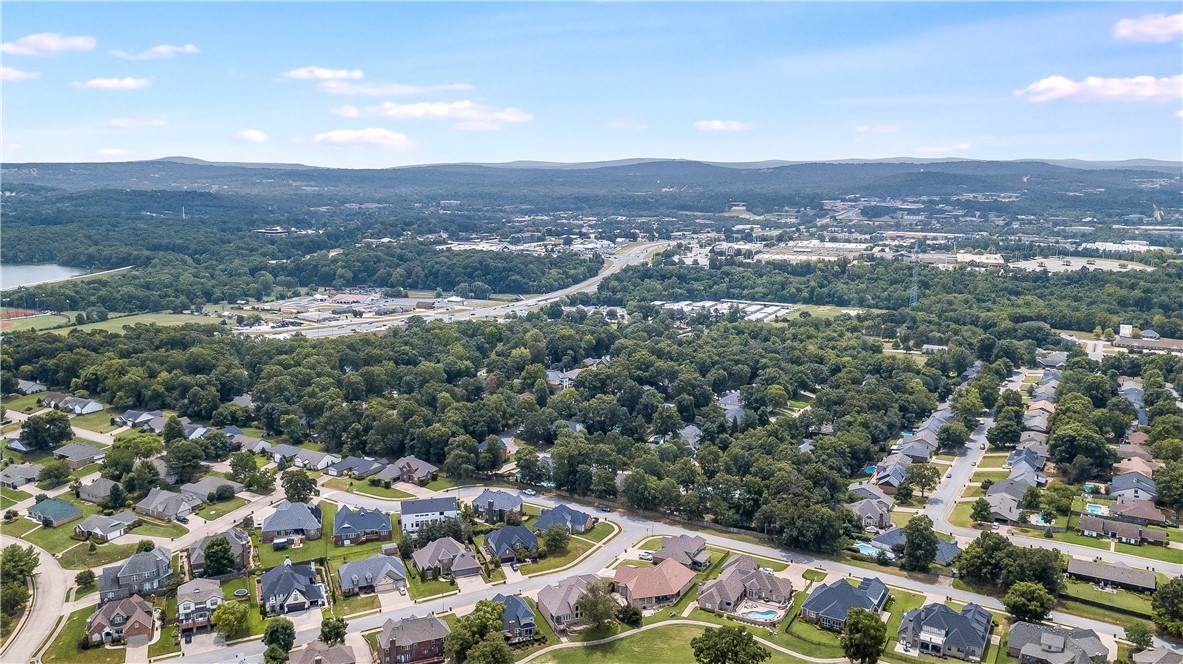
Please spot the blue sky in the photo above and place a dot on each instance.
(375, 85)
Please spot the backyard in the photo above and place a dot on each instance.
(99, 422)
(65, 647)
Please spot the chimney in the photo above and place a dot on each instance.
(490, 514)
(316, 660)
(287, 560)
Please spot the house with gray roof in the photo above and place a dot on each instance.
(97, 491)
(1043, 644)
(1004, 508)
(691, 434)
(102, 528)
(408, 469)
(136, 418)
(203, 488)
(167, 505)
(240, 549)
(867, 489)
(412, 640)
(1029, 454)
(1025, 473)
(558, 603)
(79, 454)
(1116, 575)
(828, 604)
(895, 540)
(317, 652)
(936, 629)
(1158, 656)
(732, 406)
(1054, 359)
(379, 574)
(741, 578)
(518, 622)
(356, 466)
(144, 573)
(292, 520)
(288, 588)
(1036, 421)
(872, 513)
(55, 511)
(352, 526)
(1133, 486)
(1137, 511)
(19, 474)
(1015, 487)
(689, 550)
(570, 519)
(1034, 439)
(162, 469)
(494, 505)
(1122, 531)
(129, 619)
(196, 601)
(504, 543)
(29, 387)
(445, 556)
(415, 513)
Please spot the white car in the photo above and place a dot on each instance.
(530, 492)
(766, 570)
(645, 555)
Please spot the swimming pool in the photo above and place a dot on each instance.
(870, 470)
(1037, 519)
(1094, 508)
(868, 550)
(760, 615)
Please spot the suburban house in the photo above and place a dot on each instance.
(872, 513)
(129, 619)
(867, 490)
(1029, 455)
(97, 491)
(1004, 508)
(355, 527)
(203, 488)
(568, 518)
(741, 578)
(1158, 656)
(317, 652)
(29, 387)
(1136, 465)
(517, 621)
(412, 640)
(504, 543)
(1036, 421)
(292, 520)
(1016, 487)
(1130, 533)
(303, 458)
(502, 449)
(1134, 486)
(493, 505)
(938, 630)
(445, 556)
(69, 404)
(144, 573)
(78, 454)
(379, 574)
(240, 548)
(165, 504)
(55, 511)
(891, 476)
(1034, 438)
(414, 513)
(828, 605)
(410, 469)
(1137, 511)
(562, 379)
(1041, 644)
(136, 418)
(105, 528)
(557, 603)
(17, 475)
(896, 539)
(358, 467)
(1114, 575)
(688, 550)
(730, 402)
(288, 588)
(167, 475)
(658, 585)
(196, 601)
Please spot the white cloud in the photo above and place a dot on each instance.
(322, 74)
(877, 129)
(364, 138)
(628, 124)
(156, 52)
(1096, 88)
(136, 123)
(1179, 114)
(468, 115)
(340, 87)
(943, 149)
(721, 125)
(250, 136)
(1155, 28)
(12, 75)
(127, 83)
(112, 152)
(47, 43)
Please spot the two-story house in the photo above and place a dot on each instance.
(196, 601)
(412, 640)
(144, 573)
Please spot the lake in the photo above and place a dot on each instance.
(14, 276)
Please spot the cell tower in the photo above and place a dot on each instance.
(915, 296)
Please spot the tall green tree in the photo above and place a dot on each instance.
(280, 632)
(332, 630)
(728, 645)
(597, 606)
(471, 631)
(231, 618)
(298, 486)
(863, 637)
(920, 550)
(47, 430)
(219, 556)
(183, 459)
(1028, 601)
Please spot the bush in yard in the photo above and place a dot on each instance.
(630, 615)
(224, 492)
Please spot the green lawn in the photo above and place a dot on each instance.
(65, 647)
(80, 557)
(983, 475)
(363, 487)
(10, 497)
(575, 548)
(443, 482)
(115, 324)
(973, 491)
(651, 544)
(901, 519)
(814, 575)
(211, 512)
(311, 550)
(962, 515)
(356, 604)
(18, 526)
(21, 402)
(1122, 599)
(99, 422)
(1173, 534)
(901, 602)
(599, 532)
(166, 644)
(420, 589)
(154, 528)
(1073, 537)
(87, 469)
(1152, 551)
(992, 461)
(56, 540)
(807, 638)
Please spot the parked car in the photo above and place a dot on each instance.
(645, 555)
(982, 446)
(605, 508)
(871, 530)
(182, 519)
(530, 492)
(766, 570)
(513, 565)
(948, 474)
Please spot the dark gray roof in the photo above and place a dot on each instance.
(516, 611)
(441, 549)
(359, 466)
(835, 600)
(505, 541)
(414, 630)
(1078, 646)
(1128, 481)
(1116, 573)
(237, 537)
(77, 451)
(968, 628)
(293, 516)
(348, 522)
(502, 500)
(368, 571)
(427, 505)
(561, 515)
(282, 580)
(207, 485)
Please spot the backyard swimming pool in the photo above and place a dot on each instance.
(1094, 508)
(868, 550)
(760, 615)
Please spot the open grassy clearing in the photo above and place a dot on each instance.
(575, 549)
(983, 475)
(99, 422)
(64, 648)
(80, 556)
(1153, 552)
(363, 487)
(992, 461)
(211, 512)
(21, 402)
(10, 497)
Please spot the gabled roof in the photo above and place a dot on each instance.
(417, 467)
(897, 540)
(368, 571)
(661, 580)
(349, 522)
(968, 628)
(428, 506)
(505, 541)
(1138, 509)
(561, 515)
(685, 549)
(517, 611)
(27, 472)
(740, 574)
(868, 490)
(1078, 646)
(442, 549)
(560, 599)
(281, 581)
(134, 611)
(319, 653)
(167, 502)
(77, 451)
(106, 525)
(502, 501)
(413, 630)
(207, 485)
(1128, 481)
(237, 537)
(876, 509)
(834, 600)
(1117, 573)
(293, 516)
(55, 509)
(199, 590)
(1133, 531)
(1015, 487)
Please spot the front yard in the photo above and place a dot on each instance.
(211, 512)
(99, 422)
(65, 647)
(363, 487)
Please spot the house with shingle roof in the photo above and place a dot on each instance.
(240, 549)
(657, 585)
(688, 550)
(317, 652)
(1137, 511)
(1136, 465)
(1004, 507)
(408, 469)
(1043, 644)
(105, 528)
(828, 604)
(359, 467)
(866, 489)
(144, 573)
(1036, 421)
(741, 578)
(412, 640)
(55, 511)
(78, 454)
(196, 602)
(29, 387)
(167, 505)
(445, 556)
(518, 622)
(559, 603)
(292, 520)
(288, 588)
(97, 491)
(872, 513)
(204, 487)
(504, 543)
(1115, 575)
(379, 573)
(1135, 486)
(896, 540)
(352, 527)
(1028, 438)
(572, 520)
(494, 505)
(1158, 656)
(1129, 533)
(936, 629)
(129, 619)
(19, 474)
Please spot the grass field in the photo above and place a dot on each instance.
(420, 588)
(599, 532)
(992, 461)
(444, 482)
(575, 548)
(961, 515)
(1153, 552)
(154, 528)
(1122, 599)
(356, 604)
(10, 497)
(21, 402)
(80, 557)
(211, 512)
(983, 475)
(65, 647)
(99, 422)
(901, 519)
(363, 487)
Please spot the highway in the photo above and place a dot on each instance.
(616, 263)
